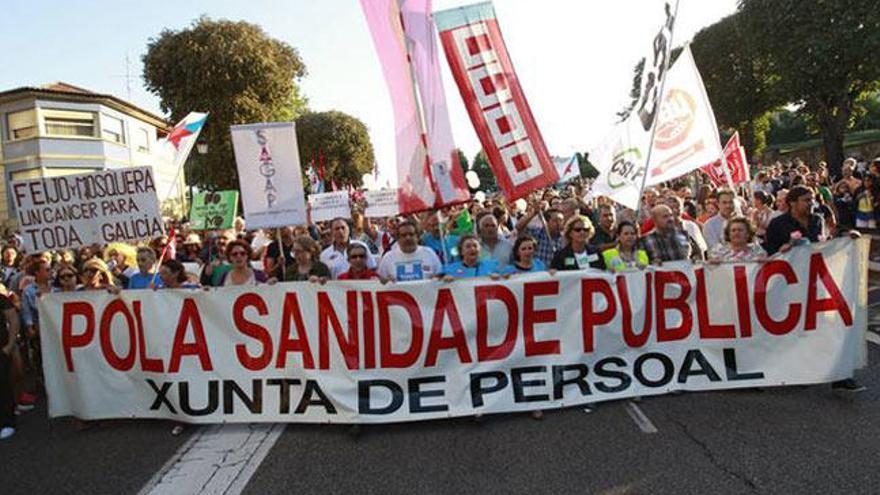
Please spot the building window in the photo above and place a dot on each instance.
(22, 125)
(142, 140)
(111, 129)
(64, 123)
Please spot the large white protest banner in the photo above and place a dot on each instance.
(269, 174)
(366, 352)
(78, 210)
(327, 206)
(381, 203)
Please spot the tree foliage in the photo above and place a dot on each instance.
(825, 54)
(344, 142)
(788, 126)
(739, 80)
(480, 165)
(232, 70)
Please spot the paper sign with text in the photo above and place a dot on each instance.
(214, 210)
(77, 210)
(327, 206)
(382, 203)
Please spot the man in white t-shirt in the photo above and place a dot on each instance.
(407, 260)
(713, 229)
(335, 255)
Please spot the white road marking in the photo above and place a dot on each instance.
(873, 338)
(641, 420)
(218, 459)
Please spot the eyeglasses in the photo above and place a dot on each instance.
(578, 229)
(236, 254)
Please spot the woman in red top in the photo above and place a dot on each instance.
(357, 259)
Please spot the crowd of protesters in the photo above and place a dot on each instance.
(555, 229)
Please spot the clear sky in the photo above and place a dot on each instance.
(574, 58)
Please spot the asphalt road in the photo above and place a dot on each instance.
(791, 440)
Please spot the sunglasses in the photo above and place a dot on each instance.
(356, 256)
(578, 229)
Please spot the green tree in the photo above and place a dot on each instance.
(825, 53)
(462, 161)
(869, 113)
(788, 126)
(739, 80)
(344, 142)
(232, 70)
(480, 165)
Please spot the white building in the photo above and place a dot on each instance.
(60, 129)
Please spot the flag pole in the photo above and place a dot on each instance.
(654, 124)
(420, 109)
(283, 255)
(443, 249)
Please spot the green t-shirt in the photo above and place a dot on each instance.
(218, 273)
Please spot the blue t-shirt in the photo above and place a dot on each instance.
(457, 269)
(451, 252)
(142, 281)
(537, 266)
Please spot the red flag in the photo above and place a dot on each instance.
(735, 155)
(494, 99)
(321, 165)
(333, 185)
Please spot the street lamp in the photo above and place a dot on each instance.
(202, 146)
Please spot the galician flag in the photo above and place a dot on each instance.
(183, 136)
(567, 168)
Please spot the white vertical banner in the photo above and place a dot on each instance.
(686, 137)
(269, 174)
(622, 158)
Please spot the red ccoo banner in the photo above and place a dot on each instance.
(735, 155)
(494, 99)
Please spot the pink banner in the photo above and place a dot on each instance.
(427, 163)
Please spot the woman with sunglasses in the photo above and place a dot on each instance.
(96, 276)
(66, 279)
(238, 253)
(577, 253)
(357, 253)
